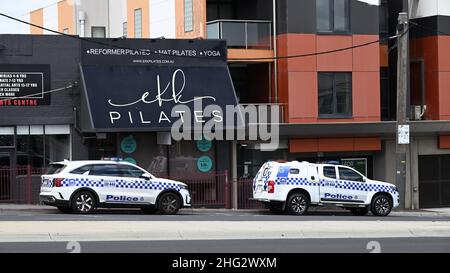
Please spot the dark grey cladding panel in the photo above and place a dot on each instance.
(62, 54)
(299, 16)
(365, 18)
(296, 16)
(430, 26)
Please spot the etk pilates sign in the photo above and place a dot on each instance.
(150, 84)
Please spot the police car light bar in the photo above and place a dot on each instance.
(112, 158)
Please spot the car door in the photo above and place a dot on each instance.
(328, 182)
(139, 189)
(109, 177)
(351, 186)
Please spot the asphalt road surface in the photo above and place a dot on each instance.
(208, 215)
(353, 245)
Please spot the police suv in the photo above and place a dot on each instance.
(294, 186)
(81, 186)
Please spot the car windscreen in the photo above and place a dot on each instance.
(55, 168)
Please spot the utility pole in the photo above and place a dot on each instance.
(403, 136)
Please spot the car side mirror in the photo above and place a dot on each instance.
(146, 176)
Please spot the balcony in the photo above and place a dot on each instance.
(242, 34)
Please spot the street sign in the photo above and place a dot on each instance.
(403, 134)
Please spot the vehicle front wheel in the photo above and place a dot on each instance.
(65, 209)
(169, 203)
(359, 211)
(381, 205)
(83, 202)
(297, 204)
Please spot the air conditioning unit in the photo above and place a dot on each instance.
(417, 112)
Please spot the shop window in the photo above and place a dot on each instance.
(138, 23)
(6, 137)
(333, 15)
(335, 95)
(188, 16)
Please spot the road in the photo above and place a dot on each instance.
(221, 231)
(358, 245)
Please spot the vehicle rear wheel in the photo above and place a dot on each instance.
(169, 203)
(297, 204)
(381, 205)
(83, 202)
(359, 211)
(65, 209)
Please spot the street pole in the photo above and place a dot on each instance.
(402, 137)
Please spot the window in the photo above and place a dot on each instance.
(188, 16)
(98, 32)
(55, 168)
(350, 175)
(138, 23)
(333, 15)
(294, 171)
(329, 172)
(129, 171)
(82, 170)
(125, 29)
(105, 170)
(335, 95)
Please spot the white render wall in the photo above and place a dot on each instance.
(96, 15)
(162, 18)
(426, 8)
(117, 16)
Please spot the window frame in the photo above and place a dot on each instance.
(135, 25)
(98, 27)
(332, 29)
(186, 29)
(335, 115)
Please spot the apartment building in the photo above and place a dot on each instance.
(337, 107)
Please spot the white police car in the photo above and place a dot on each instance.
(294, 186)
(81, 186)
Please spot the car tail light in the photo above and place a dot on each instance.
(271, 187)
(57, 182)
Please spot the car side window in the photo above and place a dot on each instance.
(350, 175)
(329, 171)
(130, 171)
(82, 170)
(105, 170)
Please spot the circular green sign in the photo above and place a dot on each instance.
(204, 164)
(130, 160)
(204, 145)
(128, 145)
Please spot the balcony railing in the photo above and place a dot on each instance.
(242, 33)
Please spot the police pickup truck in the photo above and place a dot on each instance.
(81, 186)
(294, 186)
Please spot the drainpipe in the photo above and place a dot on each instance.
(275, 62)
(82, 20)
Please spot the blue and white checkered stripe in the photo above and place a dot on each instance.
(338, 184)
(136, 184)
(295, 181)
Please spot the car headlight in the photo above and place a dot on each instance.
(183, 187)
(394, 188)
